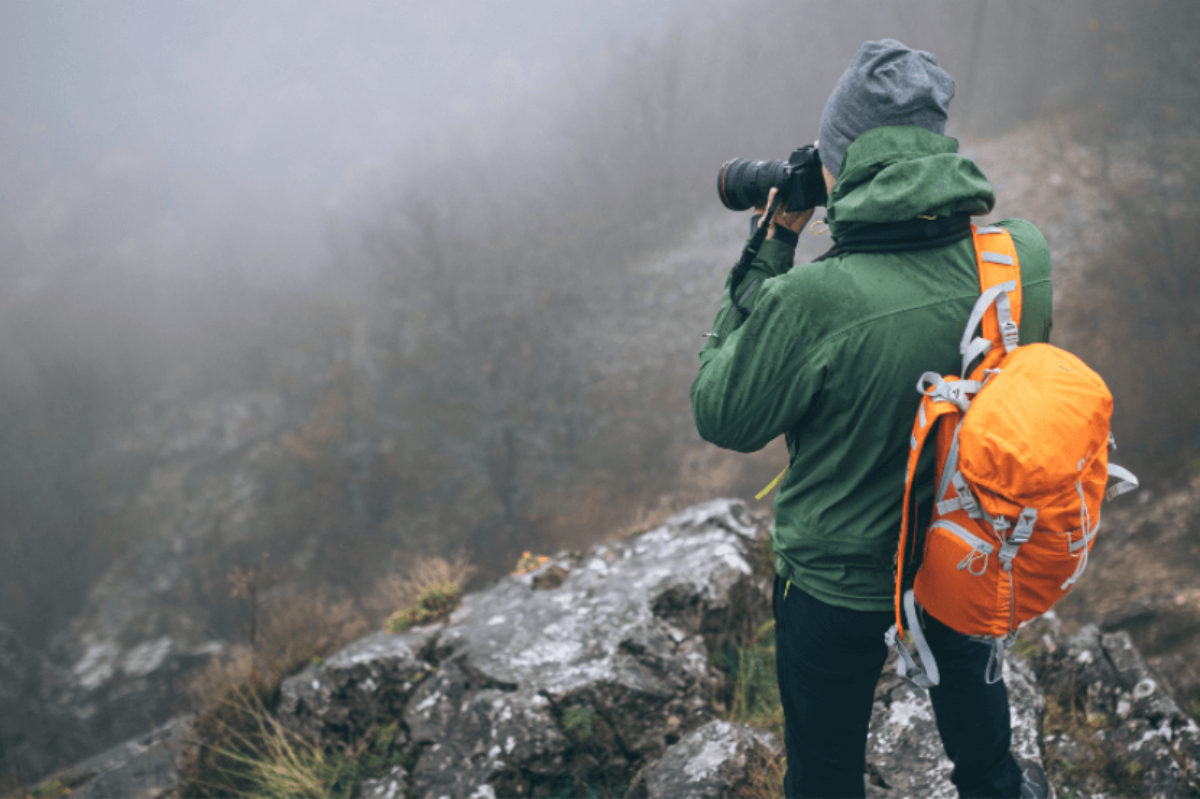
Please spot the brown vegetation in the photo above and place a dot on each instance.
(428, 590)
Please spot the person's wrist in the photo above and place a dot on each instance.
(785, 235)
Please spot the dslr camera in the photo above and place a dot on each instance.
(745, 184)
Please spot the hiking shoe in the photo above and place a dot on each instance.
(1034, 784)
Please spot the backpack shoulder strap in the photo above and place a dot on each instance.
(1000, 290)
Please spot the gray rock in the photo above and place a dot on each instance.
(146, 767)
(364, 686)
(35, 730)
(1150, 744)
(577, 670)
(390, 786)
(494, 740)
(715, 761)
(905, 757)
(627, 634)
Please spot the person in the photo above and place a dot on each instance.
(828, 355)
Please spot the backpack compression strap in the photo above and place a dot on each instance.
(1000, 277)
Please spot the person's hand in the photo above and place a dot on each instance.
(792, 220)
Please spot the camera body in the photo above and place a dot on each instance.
(746, 184)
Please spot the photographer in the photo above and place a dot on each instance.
(827, 354)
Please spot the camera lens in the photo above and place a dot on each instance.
(745, 184)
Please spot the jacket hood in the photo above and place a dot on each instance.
(895, 173)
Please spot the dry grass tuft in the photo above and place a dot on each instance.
(429, 589)
(247, 752)
(764, 776)
(295, 632)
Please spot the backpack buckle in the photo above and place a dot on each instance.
(966, 500)
(1010, 333)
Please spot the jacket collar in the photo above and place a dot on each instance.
(897, 173)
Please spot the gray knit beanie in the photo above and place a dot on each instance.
(887, 84)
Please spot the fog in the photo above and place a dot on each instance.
(412, 232)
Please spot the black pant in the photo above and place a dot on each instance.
(829, 660)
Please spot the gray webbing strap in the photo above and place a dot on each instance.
(949, 505)
(995, 667)
(906, 666)
(1009, 331)
(1087, 539)
(986, 229)
(1128, 480)
(981, 305)
(980, 346)
(996, 258)
(951, 465)
(952, 391)
(1020, 534)
(929, 676)
(966, 500)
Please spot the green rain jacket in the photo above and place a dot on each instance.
(831, 353)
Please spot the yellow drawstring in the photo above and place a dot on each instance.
(773, 483)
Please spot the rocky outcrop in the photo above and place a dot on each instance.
(712, 762)
(601, 677)
(584, 678)
(366, 684)
(1116, 727)
(35, 729)
(146, 767)
(905, 759)
(50, 716)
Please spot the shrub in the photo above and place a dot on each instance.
(296, 631)
(240, 749)
(755, 698)
(430, 589)
(247, 752)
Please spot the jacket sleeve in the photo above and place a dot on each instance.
(755, 381)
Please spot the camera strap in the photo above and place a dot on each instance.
(749, 253)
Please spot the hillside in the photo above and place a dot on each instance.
(628, 670)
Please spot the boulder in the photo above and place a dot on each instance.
(389, 786)
(580, 671)
(360, 688)
(719, 760)
(145, 767)
(482, 740)
(1118, 728)
(905, 758)
(35, 730)
(626, 635)
(50, 716)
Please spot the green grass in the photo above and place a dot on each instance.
(578, 722)
(751, 669)
(248, 753)
(753, 698)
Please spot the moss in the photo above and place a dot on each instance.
(1026, 649)
(578, 723)
(50, 789)
(1095, 771)
(431, 588)
(433, 602)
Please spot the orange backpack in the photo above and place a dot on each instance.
(1022, 467)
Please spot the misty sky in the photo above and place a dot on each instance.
(197, 110)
